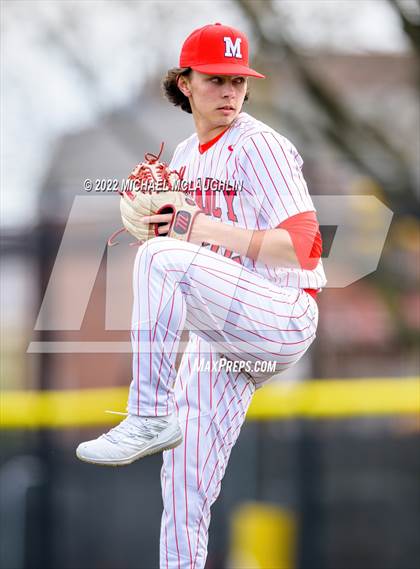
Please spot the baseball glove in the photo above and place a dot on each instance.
(155, 189)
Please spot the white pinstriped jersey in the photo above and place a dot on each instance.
(231, 314)
(250, 178)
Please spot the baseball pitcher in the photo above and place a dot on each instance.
(229, 249)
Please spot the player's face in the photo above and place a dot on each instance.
(218, 99)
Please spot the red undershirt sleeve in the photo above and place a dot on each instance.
(303, 229)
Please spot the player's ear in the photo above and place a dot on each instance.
(184, 85)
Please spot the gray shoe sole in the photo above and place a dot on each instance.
(155, 447)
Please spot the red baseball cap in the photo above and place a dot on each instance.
(217, 50)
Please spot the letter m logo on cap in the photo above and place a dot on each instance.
(233, 49)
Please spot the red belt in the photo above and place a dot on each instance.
(313, 292)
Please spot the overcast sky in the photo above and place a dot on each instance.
(65, 63)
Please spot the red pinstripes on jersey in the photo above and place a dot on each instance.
(160, 303)
(254, 211)
(282, 342)
(195, 167)
(228, 381)
(302, 194)
(226, 346)
(198, 531)
(281, 145)
(165, 513)
(198, 289)
(262, 209)
(138, 343)
(230, 336)
(162, 353)
(264, 310)
(265, 324)
(262, 185)
(275, 186)
(230, 282)
(226, 165)
(150, 330)
(220, 258)
(254, 333)
(174, 504)
(231, 425)
(215, 493)
(230, 347)
(211, 270)
(204, 285)
(279, 155)
(279, 167)
(211, 381)
(263, 344)
(172, 367)
(234, 429)
(199, 413)
(185, 468)
(210, 475)
(240, 422)
(242, 208)
(223, 144)
(200, 171)
(207, 458)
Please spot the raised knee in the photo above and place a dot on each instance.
(159, 244)
(162, 250)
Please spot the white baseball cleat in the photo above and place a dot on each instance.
(132, 439)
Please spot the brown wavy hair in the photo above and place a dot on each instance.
(172, 91)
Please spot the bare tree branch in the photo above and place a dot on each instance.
(351, 134)
(411, 28)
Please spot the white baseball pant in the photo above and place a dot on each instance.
(230, 311)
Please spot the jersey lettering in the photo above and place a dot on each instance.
(250, 177)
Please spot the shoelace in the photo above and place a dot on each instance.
(140, 430)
